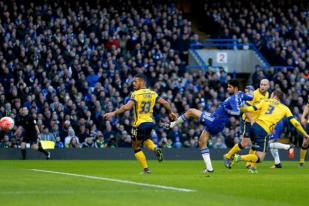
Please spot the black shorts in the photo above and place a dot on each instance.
(30, 138)
(142, 132)
(259, 138)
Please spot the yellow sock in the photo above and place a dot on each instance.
(149, 144)
(253, 164)
(251, 151)
(140, 156)
(303, 153)
(249, 158)
(232, 151)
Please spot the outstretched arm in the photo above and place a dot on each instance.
(122, 109)
(172, 116)
(252, 108)
(298, 127)
(234, 108)
(248, 109)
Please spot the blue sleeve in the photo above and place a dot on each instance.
(247, 97)
(233, 106)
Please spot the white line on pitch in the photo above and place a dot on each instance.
(117, 180)
(65, 192)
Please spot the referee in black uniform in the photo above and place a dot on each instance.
(30, 133)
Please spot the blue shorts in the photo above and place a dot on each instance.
(245, 128)
(211, 124)
(307, 128)
(278, 130)
(259, 138)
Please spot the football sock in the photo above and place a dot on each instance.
(275, 154)
(303, 153)
(40, 149)
(249, 158)
(23, 153)
(278, 145)
(252, 164)
(178, 121)
(233, 151)
(149, 144)
(206, 157)
(140, 156)
(251, 151)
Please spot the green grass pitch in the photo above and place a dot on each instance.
(19, 185)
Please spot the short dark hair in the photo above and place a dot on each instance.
(234, 83)
(141, 76)
(279, 94)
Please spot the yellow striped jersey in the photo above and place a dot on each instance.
(145, 100)
(257, 98)
(271, 112)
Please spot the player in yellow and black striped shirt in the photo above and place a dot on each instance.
(142, 101)
(305, 122)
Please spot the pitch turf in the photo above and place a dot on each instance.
(19, 185)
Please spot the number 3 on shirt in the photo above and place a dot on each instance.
(145, 107)
(270, 109)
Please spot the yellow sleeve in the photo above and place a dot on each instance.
(156, 96)
(298, 127)
(253, 108)
(295, 123)
(254, 100)
(133, 97)
(288, 113)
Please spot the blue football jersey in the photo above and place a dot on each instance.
(231, 106)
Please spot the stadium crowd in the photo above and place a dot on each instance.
(70, 62)
(279, 29)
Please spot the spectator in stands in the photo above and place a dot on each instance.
(89, 143)
(59, 144)
(73, 143)
(46, 135)
(99, 143)
(71, 135)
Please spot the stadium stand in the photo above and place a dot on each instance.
(70, 62)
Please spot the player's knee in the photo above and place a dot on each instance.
(135, 147)
(23, 145)
(260, 158)
(244, 142)
(190, 112)
(202, 143)
(35, 146)
(305, 143)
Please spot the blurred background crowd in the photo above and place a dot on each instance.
(70, 62)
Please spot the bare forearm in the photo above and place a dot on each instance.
(121, 110)
(305, 113)
(167, 107)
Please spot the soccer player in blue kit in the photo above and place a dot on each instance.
(215, 122)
